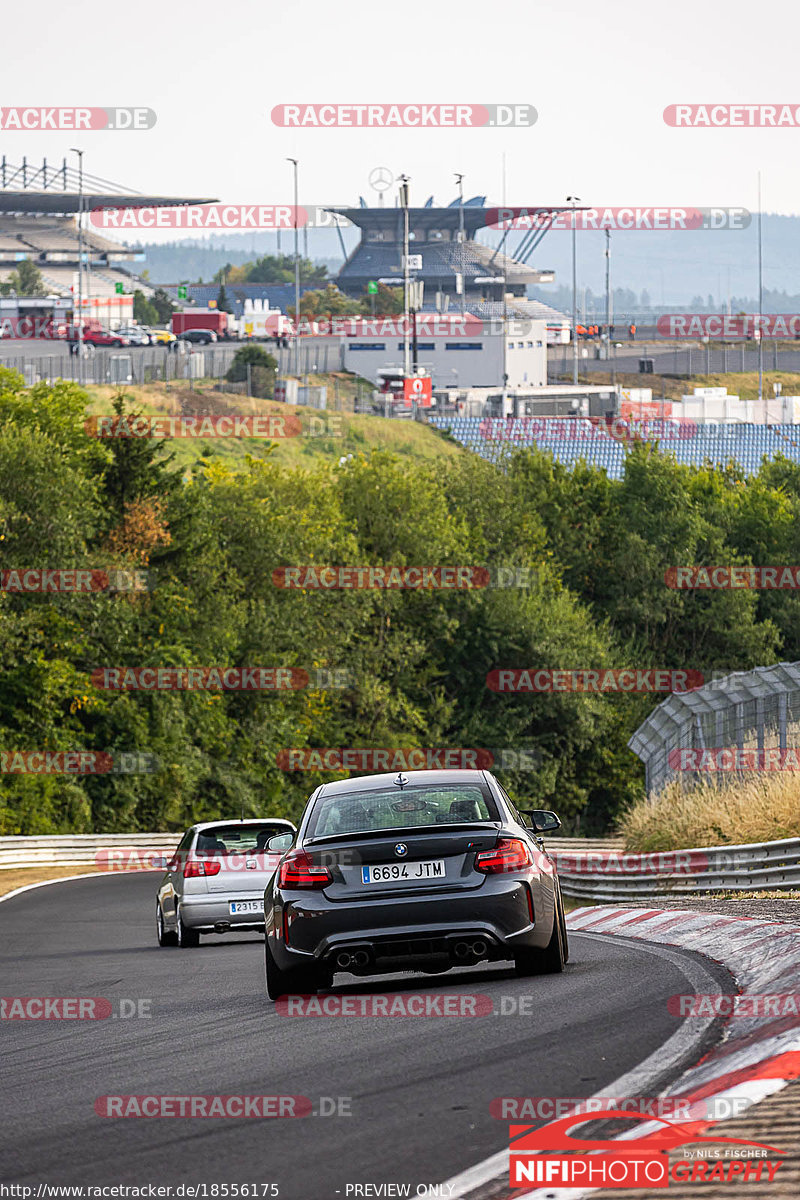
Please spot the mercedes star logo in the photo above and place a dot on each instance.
(380, 178)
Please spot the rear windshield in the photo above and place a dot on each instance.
(396, 808)
(236, 839)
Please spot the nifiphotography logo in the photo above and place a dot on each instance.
(642, 1162)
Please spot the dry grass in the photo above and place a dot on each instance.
(327, 435)
(761, 808)
(739, 383)
(17, 877)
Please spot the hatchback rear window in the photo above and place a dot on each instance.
(395, 808)
(235, 839)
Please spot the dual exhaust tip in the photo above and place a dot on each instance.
(466, 951)
(471, 951)
(345, 959)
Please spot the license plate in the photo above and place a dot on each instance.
(408, 872)
(246, 906)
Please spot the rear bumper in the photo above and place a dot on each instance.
(407, 931)
(205, 911)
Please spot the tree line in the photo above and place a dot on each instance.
(586, 557)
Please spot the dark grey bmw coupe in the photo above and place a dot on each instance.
(413, 872)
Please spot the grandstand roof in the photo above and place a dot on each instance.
(53, 201)
(476, 216)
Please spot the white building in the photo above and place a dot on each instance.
(476, 358)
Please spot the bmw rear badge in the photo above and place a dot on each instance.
(401, 849)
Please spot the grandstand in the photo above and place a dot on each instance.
(605, 445)
(39, 213)
(458, 267)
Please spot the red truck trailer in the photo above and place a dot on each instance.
(201, 318)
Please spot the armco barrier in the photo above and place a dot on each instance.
(589, 868)
(607, 874)
(63, 850)
(76, 849)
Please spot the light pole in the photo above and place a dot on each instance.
(608, 301)
(760, 310)
(406, 279)
(80, 261)
(573, 200)
(460, 259)
(296, 278)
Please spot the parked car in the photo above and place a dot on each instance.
(136, 335)
(95, 335)
(215, 880)
(417, 872)
(200, 337)
(161, 337)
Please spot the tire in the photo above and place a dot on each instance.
(165, 936)
(302, 981)
(549, 961)
(187, 938)
(562, 918)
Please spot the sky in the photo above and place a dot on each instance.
(599, 77)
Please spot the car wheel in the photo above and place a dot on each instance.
(549, 961)
(562, 918)
(187, 938)
(300, 981)
(116, 345)
(165, 936)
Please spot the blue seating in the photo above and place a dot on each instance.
(571, 441)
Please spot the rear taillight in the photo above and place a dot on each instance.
(510, 854)
(206, 866)
(298, 871)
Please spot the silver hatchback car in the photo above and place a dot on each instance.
(215, 880)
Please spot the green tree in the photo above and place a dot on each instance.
(143, 311)
(223, 303)
(25, 280)
(163, 306)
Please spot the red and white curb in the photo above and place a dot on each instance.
(758, 1055)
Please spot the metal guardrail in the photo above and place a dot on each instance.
(615, 875)
(77, 849)
(589, 868)
(82, 848)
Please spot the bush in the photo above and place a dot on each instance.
(263, 366)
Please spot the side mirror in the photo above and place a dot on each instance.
(543, 820)
(280, 841)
